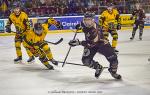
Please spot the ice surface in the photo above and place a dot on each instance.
(35, 79)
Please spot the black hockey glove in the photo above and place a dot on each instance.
(118, 26)
(74, 42)
(8, 29)
(78, 27)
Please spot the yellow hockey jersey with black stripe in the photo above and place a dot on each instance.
(20, 22)
(32, 38)
(107, 18)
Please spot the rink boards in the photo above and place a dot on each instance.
(69, 23)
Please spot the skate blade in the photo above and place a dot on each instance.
(100, 73)
(32, 62)
(131, 39)
(118, 78)
(18, 62)
(51, 69)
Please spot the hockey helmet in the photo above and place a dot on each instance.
(38, 28)
(89, 15)
(17, 8)
(138, 6)
(88, 19)
(110, 7)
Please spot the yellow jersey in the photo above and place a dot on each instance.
(32, 38)
(108, 18)
(20, 22)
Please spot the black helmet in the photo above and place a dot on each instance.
(88, 19)
(37, 26)
(89, 15)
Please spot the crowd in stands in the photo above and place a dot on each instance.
(36, 8)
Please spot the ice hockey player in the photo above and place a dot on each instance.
(95, 43)
(110, 22)
(139, 15)
(34, 41)
(20, 20)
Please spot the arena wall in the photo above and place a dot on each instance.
(69, 23)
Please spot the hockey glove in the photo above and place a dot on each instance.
(78, 27)
(131, 18)
(75, 42)
(8, 29)
(118, 26)
(106, 41)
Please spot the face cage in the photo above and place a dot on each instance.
(137, 6)
(17, 11)
(110, 9)
(87, 22)
(38, 32)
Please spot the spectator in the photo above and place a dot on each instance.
(73, 7)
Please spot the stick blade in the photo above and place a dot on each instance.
(59, 41)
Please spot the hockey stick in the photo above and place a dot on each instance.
(69, 50)
(74, 63)
(55, 43)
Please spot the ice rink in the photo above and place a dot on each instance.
(35, 79)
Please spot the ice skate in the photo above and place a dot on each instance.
(54, 62)
(114, 74)
(31, 59)
(140, 38)
(18, 60)
(131, 38)
(98, 71)
(50, 67)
